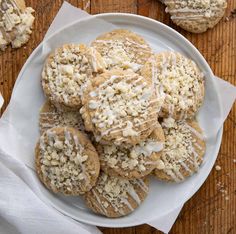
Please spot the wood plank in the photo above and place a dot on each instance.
(101, 6)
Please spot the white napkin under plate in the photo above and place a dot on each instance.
(22, 206)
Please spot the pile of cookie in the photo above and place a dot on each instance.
(115, 114)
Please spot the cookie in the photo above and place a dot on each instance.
(66, 73)
(66, 161)
(122, 48)
(178, 82)
(50, 117)
(196, 15)
(119, 107)
(132, 161)
(16, 21)
(115, 197)
(183, 151)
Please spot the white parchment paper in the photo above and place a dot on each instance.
(19, 124)
(1, 101)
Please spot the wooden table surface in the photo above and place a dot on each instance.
(212, 208)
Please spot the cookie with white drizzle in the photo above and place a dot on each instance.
(120, 107)
(50, 117)
(67, 72)
(115, 197)
(122, 48)
(183, 150)
(16, 21)
(196, 15)
(178, 83)
(66, 162)
(131, 162)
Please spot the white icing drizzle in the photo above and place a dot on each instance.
(68, 72)
(63, 161)
(143, 46)
(179, 152)
(142, 185)
(94, 59)
(100, 204)
(125, 52)
(177, 82)
(80, 149)
(107, 107)
(149, 148)
(117, 192)
(194, 10)
(184, 165)
(198, 146)
(15, 24)
(156, 85)
(125, 201)
(134, 195)
(195, 132)
(54, 117)
(185, 10)
(127, 158)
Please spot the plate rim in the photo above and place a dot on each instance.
(113, 15)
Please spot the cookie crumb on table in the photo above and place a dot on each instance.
(218, 168)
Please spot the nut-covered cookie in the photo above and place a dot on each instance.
(120, 107)
(183, 151)
(122, 48)
(50, 117)
(67, 72)
(16, 21)
(66, 161)
(115, 197)
(132, 161)
(196, 15)
(178, 82)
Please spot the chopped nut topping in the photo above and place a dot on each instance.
(121, 104)
(181, 81)
(116, 193)
(123, 52)
(196, 8)
(15, 24)
(50, 116)
(179, 151)
(131, 157)
(63, 159)
(68, 71)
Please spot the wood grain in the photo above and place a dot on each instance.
(212, 208)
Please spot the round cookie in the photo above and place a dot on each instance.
(67, 72)
(115, 197)
(16, 22)
(122, 48)
(196, 15)
(178, 83)
(50, 117)
(66, 161)
(183, 151)
(120, 107)
(131, 162)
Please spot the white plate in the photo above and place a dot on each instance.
(163, 198)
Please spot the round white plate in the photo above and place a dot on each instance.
(163, 197)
